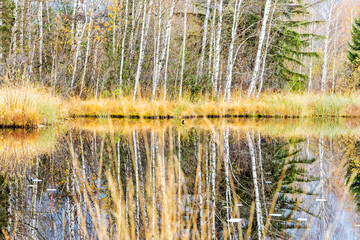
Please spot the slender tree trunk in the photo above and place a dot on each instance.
(123, 46)
(80, 29)
(325, 64)
(217, 49)
(14, 29)
(183, 50)
(335, 55)
(266, 49)
(230, 62)
(226, 166)
(213, 183)
(204, 40)
(311, 59)
(41, 40)
(88, 43)
(259, 50)
(256, 188)
(168, 36)
(144, 31)
(157, 51)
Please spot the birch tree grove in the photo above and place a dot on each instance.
(167, 49)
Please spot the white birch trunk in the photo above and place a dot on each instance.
(168, 36)
(80, 29)
(256, 188)
(226, 166)
(144, 31)
(123, 45)
(183, 50)
(311, 60)
(166, 48)
(212, 40)
(335, 55)
(13, 46)
(157, 51)
(259, 50)
(204, 39)
(41, 40)
(213, 183)
(230, 62)
(88, 43)
(137, 214)
(327, 36)
(266, 50)
(217, 49)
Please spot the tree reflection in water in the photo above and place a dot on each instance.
(173, 182)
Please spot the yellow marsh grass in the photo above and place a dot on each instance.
(302, 105)
(302, 127)
(28, 106)
(19, 147)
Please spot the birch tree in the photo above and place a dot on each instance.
(204, 40)
(123, 44)
(217, 49)
(41, 38)
(230, 63)
(266, 49)
(251, 144)
(183, 50)
(326, 46)
(259, 50)
(80, 29)
(144, 31)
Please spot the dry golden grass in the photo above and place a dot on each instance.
(28, 106)
(274, 105)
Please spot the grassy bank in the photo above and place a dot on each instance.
(29, 106)
(270, 105)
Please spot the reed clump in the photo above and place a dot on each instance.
(267, 105)
(29, 106)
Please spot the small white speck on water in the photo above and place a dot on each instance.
(275, 214)
(233, 220)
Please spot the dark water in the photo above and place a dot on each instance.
(166, 180)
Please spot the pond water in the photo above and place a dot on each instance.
(204, 179)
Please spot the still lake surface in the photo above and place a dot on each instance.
(204, 179)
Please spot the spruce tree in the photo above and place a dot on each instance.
(354, 51)
(289, 45)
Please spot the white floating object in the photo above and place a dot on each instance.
(302, 219)
(268, 182)
(321, 200)
(37, 180)
(233, 220)
(31, 185)
(51, 190)
(239, 205)
(41, 126)
(276, 215)
(357, 225)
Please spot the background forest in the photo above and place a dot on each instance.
(166, 49)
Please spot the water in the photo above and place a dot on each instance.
(204, 179)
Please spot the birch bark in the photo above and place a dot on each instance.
(183, 50)
(144, 31)
(259, 50)
(217, 49)
(230, 63)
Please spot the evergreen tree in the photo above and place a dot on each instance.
(288, 50)
(354, 51)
